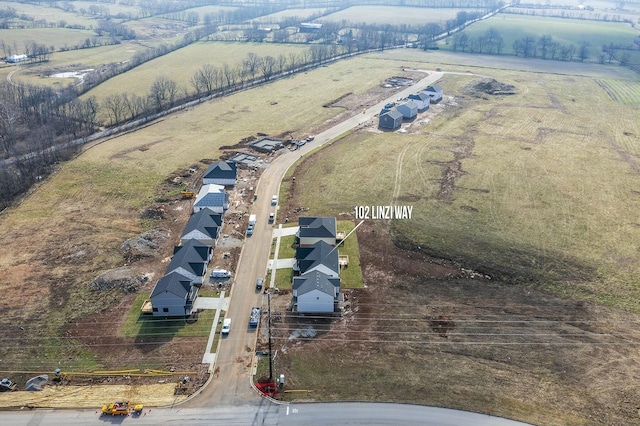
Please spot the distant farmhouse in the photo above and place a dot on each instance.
(221, 173)
(309, 27)
(13, 59)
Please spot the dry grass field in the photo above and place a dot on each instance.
(182, 64)
(392, 15)
(514, 287)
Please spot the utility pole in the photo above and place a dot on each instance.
(270, 355)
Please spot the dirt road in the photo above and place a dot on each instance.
(232, 375)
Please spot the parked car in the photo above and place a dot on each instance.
(250, 230)
(272, 217)
(220, 273)
(259, 282)
(226, 326)
(274, 200)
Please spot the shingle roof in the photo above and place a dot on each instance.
(320, 227)
(173, 283)
(211, 195)
(315, 281)
(205, 221)
(319, 253)
(422, 96)
(193, 256)
(433, 88)
(394, 114)
(221, 170)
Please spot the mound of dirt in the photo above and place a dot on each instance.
(146, 244)
(489, 86)
(154, 212)
(120, 278)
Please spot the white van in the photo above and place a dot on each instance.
(226, 326)
(220, 273)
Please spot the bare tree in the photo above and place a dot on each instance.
(583, 50)
(250, 65)
(163, 92)
(267, 65)
(116, 107)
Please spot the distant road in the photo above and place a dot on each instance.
(266, 413)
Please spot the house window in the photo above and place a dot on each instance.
(165, 309)
(155, 309)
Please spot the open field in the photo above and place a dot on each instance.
(624, 92)
(72, 60)
(391, 15)
(564, 31)
(182, 64)
(289, 13)
(56, 37)
(533, 199)
(49, 14)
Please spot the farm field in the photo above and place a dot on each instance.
(391, 15)
(534, 196)
(290, 13)
(72, 60)
(56, 37)
(624, 92)
(182, 64)
(50, 14)
(564, 31)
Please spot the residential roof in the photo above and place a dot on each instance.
(266, 144)
(394, 114)
(315, 281)
(174, 283)
(320, 227)
(243, 158)
(221, 170)
(433, 88)
(408, 104)
(205, 221)
(421, 96)
(192, 256)
(318, 254)
(211, 195)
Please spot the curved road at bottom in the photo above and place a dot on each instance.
(267, 413)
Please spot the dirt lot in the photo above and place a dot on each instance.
(430, 332)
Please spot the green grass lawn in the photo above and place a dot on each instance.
(286, 251)
(138, 325)
(351, 275)
(391, 15)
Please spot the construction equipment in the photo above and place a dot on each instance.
(122, 408)
(7, 385)
(187, 194)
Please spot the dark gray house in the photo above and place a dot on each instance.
(320, 257)
(191, 260)
(409, 110)
(221, 173)
(212, 197)
(315, 292)
(435, 92)
(203, 226)
(391, 120)
(173, 295)
(314, 229)
(422, 100)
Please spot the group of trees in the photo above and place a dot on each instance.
(547, 48)
(35, 122)
(489, 42)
